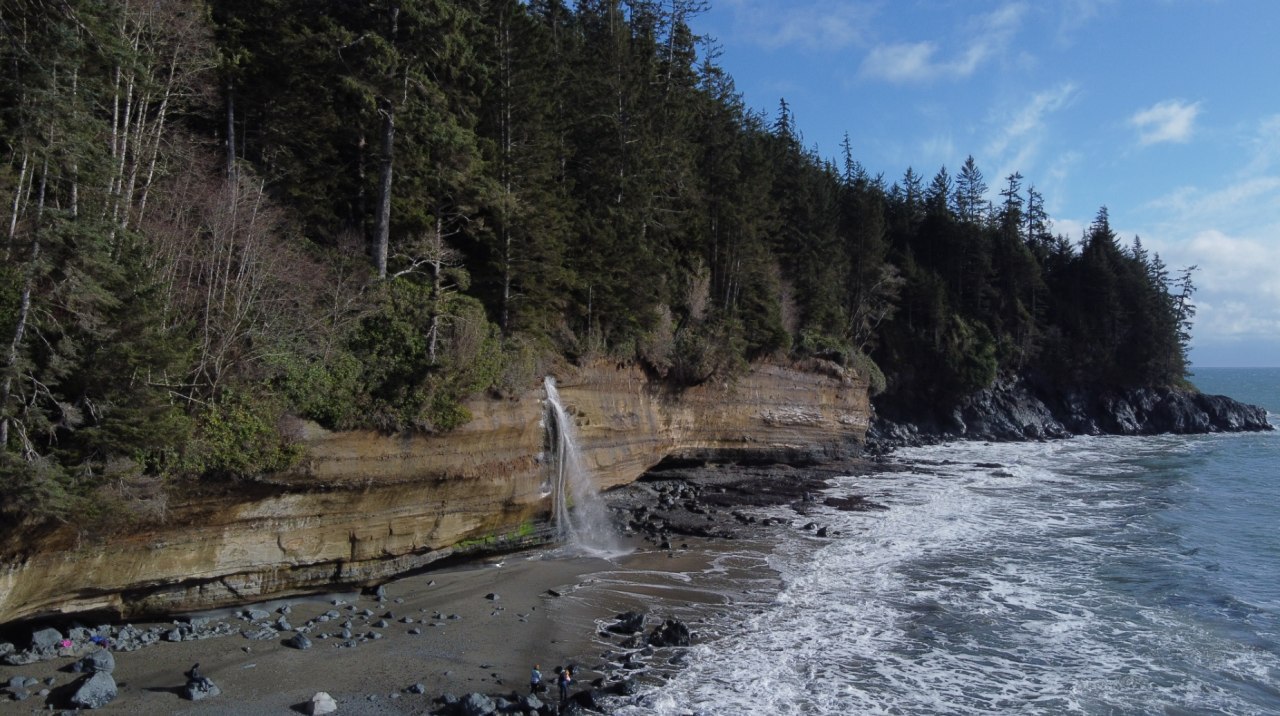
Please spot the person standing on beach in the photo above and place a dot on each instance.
(535, 680)
(565, 679)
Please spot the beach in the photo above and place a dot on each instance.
(481, 628)
(686, 554)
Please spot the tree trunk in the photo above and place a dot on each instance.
(382, 231)
(231, 130)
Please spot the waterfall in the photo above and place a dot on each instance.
(578, 512)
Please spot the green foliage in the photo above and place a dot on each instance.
(405, 386)
(238, 437)
(34, 491)
(322, 390)
(867, 368)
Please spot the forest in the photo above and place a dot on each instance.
(217, 213)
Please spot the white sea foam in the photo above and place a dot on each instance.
(1048, 585)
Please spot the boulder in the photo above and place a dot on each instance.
(298, 641)
(100, 660)
(197, 690)
(673, 632)
(95, 691)
(321, 703)
(46, 638)
(628, 623)
(475, 704)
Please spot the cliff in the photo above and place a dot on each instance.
(362, 507)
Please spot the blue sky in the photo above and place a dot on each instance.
(1165, 111)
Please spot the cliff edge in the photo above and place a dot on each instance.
(362, 507)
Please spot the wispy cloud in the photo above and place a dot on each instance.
(1074, 16)
(1021, 131)
(816, 25)
(908, 62)
(1264, 146)
(1169, 121)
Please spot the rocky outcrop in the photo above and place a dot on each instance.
(1022, 410)
(362, 507)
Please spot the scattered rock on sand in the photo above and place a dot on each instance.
(197, 690)
(475, 704)
(321, 703)
(298, 641)
(45, 638)
(94, 692)
(100, 660)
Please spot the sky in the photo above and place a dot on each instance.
(1167, 112)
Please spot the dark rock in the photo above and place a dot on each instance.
(298, 641)
(852, 503)
(626, 687)
(47, 638)
(476, 704)
(95, 691)
(100, 660)
(492, 597)
(628, 623)
(673, 632)
(1021, 409)
(587, 699)
(198, 690)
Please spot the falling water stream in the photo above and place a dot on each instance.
(578, 512)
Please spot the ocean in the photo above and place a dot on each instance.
(1096, 575)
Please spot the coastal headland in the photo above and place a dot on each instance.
(454, 517)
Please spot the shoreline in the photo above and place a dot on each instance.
(481, 626)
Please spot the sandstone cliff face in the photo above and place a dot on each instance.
(362, 507)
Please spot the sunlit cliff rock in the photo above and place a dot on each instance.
(362, 507)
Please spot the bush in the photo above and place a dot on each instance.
(238, 437)
(867, 368)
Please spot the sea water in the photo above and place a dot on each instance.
(1096, 575)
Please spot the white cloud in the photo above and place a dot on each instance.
(1235, 263)
(1265, 146)
(1074, 16)
(907, 62)
(1021, 131)
(822, 25)
(1169, 121)
(1230, 232)
(902, 63)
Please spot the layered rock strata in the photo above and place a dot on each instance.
(362, 507)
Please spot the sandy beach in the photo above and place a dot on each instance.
(468, 641)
